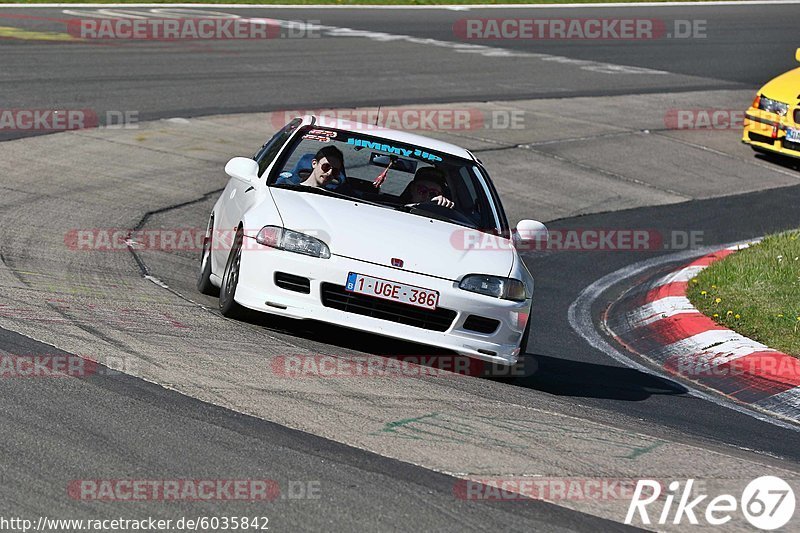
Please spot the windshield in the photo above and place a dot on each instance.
(410, 178)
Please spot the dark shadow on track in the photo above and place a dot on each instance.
(787, 162)
(563, 377)
(560, 377)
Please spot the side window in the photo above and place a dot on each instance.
(495, 201)
(471, 202)
(267, 154)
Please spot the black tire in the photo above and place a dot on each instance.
(523, 343)
(230, 279)
(526, 364)
(204, 284)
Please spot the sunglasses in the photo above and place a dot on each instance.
(327, 167)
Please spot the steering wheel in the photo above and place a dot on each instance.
(444, 213)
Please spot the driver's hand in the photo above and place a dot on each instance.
(441, 200)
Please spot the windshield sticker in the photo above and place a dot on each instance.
(393, 149)
(322, 136)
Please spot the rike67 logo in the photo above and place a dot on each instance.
(767, 503)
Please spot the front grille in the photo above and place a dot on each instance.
(337, 297)
(290, 282)
(481, 324)
(760, 138)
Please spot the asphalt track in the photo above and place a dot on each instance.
(118, 426)
(743, 46)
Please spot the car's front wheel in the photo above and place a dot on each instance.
(526, 364)
(230, 279)
(204, 284)
(523, 342)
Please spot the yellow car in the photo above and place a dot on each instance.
(772, 122)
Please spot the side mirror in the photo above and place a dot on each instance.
(797, 55)
(242, 168)
(529, 231)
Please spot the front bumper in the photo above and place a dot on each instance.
(258, 290)
(767, 131)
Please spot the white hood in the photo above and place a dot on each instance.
(377, 235)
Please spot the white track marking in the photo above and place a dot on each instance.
(712, 348)
(786, 403)
(336, 31)
(682, 275)
(580, 319)
(107, 14)
(467, 48)
(152, 13)
(658, 309)
(454, 7)
(179, 13)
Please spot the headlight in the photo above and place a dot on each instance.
(773, 106)
(292, 241)
(505, 288)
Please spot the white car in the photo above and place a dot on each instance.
(376, 230)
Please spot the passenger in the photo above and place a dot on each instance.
(326, 167)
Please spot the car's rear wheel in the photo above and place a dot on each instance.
(230, 279)
(204, 284)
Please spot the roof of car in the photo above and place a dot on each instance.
(394, 135)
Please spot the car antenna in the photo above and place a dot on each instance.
(378, 116)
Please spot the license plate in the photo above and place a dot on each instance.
(391, 290)
(792, 135)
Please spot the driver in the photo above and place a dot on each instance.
(427, 187)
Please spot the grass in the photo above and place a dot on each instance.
(341, 2)
(756, 292)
